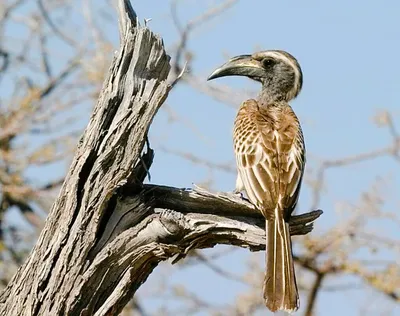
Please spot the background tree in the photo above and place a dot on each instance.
(53, 58)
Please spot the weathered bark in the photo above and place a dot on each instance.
(107, 231)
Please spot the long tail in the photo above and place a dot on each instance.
(280, 288)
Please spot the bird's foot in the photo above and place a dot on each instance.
(240, 195)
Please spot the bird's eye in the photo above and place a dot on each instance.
(268, 62)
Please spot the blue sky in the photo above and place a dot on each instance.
(349, 52)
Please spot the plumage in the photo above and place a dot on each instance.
(270, 153)
(270, 157)
(269, 149)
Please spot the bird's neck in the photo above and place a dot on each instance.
(268, 97)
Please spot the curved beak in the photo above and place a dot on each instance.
(243, 65)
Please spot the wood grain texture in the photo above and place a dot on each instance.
(107, 231)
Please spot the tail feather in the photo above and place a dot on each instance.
(280, 288)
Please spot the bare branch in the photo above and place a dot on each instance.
(67, 39)
(312, 298)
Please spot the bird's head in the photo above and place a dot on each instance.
(278, 71)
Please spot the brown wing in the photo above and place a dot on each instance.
(270, 155)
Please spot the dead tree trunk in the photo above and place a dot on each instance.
(107, 231)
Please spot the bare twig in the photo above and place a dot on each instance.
(312, 298)
(67, 39)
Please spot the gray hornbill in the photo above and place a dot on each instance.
(270, 157)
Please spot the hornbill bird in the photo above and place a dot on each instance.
(270, 158)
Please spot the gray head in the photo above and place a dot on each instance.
(278, 71)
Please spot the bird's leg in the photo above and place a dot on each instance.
(239, 188)
(238, 193)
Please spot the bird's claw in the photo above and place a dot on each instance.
(239, 194)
